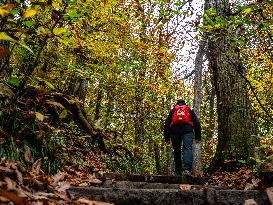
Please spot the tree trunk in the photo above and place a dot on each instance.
(198, 78)
(236, 129)
(78, 88)
(78, 85)
(211, 123)
(139, 118)
(110, 105)
(157, 158)
(98, 104)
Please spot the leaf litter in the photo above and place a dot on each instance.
(34, 187)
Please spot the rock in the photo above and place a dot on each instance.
(269, 192)
(250, 202)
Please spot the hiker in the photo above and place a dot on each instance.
(182, 125)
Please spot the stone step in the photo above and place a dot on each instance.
(120, 196)
(143, 185)
(147, 185)
(154, 178)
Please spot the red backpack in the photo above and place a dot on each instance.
(181, 115)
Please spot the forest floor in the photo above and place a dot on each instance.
(32, 186)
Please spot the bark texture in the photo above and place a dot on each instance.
(198, 78)
(236, 128)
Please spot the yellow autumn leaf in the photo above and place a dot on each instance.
(248, 10)
(39, 116)
(56, 5)
(42, 29)
(29, 13)
(3, 12)
(59, 31)
(5, 37)
(208, 27)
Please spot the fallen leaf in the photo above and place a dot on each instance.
(27, 154)
(250, 202)
(10, 165)
(36, 167)
(85, 201)
(185, 187)
(4, 199)
(83, 184)
(19, 176)
(57, 177)
(101, 203)
(89, 202)
(95, 181)
(63, 186)
(14, 197)
(11, 185)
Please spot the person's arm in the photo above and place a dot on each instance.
(197, 126)
(167, 127)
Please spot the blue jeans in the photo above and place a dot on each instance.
(187, 139)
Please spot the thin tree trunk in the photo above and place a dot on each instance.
(157, 158)
(98, 104)
(78, 85)
(211, 123)
(109, 108)
(198, 78)
(78, 88)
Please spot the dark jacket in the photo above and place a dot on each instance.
(181, 129)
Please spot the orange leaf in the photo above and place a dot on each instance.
(14, 197)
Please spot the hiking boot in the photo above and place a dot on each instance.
(186, 173)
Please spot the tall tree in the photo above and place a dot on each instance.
(236, 128)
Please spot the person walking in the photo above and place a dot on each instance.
(182, 125)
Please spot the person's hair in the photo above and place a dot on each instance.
(181, 102)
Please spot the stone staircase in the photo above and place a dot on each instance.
(122, 189)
